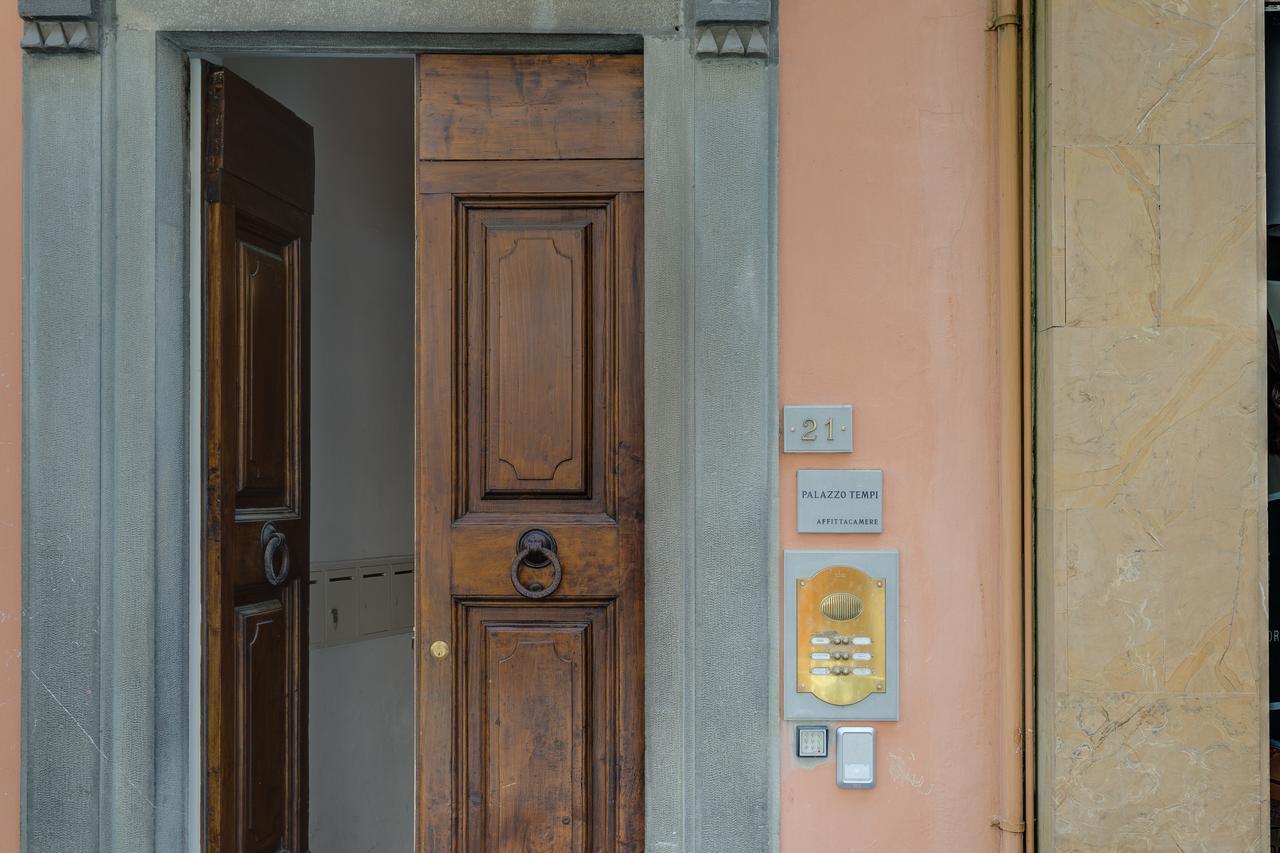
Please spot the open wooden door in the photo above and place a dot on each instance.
(258, 192)
(530, 454)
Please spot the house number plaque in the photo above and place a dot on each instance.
(817, 429)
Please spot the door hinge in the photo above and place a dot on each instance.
(1005, 21)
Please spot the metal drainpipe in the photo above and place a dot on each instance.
(1010, 819)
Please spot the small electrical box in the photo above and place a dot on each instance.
(856, 757)
(811, 741)
(841, 635)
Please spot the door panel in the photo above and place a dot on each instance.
(267, 295)
(529, 418)
(534, 423)
(257, 227)
(538, 691)
(263, 658)
(538, 302)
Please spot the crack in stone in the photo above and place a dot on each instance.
(87, 736)
(1235, 598)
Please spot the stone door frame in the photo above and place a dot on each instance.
(110, 743)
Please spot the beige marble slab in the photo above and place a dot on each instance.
(1157, 772)
(1209, 271)
(1111, 242)
(1154, 417)
(1139, 71)
(1150, 376)
(1163, 600)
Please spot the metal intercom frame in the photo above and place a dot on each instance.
(799, 565)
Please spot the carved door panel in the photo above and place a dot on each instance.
(530, 454)
(258, 177)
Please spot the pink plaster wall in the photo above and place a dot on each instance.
(10, 421)
(886, 280)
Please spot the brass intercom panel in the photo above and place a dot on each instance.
(840, 635)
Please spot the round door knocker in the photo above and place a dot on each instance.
(535, 548)
(273, 543)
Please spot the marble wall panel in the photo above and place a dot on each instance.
(1145, 71)
(1150, 489)
(1208, 234)
(1111, 241)
(1152, 417)
(1157, 772)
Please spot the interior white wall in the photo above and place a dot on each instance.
(362, 280)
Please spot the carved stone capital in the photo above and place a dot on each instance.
(732, 28)
(59, 25)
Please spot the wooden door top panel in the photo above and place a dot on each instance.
(258, 140)
(527, 107)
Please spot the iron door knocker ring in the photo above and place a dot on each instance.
(273, 542)
(536, 548)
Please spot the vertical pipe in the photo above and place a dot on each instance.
(1010, 819)
(1028, 439)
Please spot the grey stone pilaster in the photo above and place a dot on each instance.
(144, 559)
(62, 454)
(171, 351)
(105, 564)
(712, 731)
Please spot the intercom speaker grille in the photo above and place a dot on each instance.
(841, 606)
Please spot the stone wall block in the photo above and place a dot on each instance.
(1112, 226)
(1153, 417)
(1208, 234)
(1115, 603)
(1212, 560)
(1188, 72)
(1149, 372)
(1162, 600)
(1157, 771)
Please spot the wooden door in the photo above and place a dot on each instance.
(258, 189)
(530, 454)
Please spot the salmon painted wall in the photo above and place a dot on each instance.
(10, 422)
(885, 284)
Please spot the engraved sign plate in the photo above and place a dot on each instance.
(817, 429)
(839, 501)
